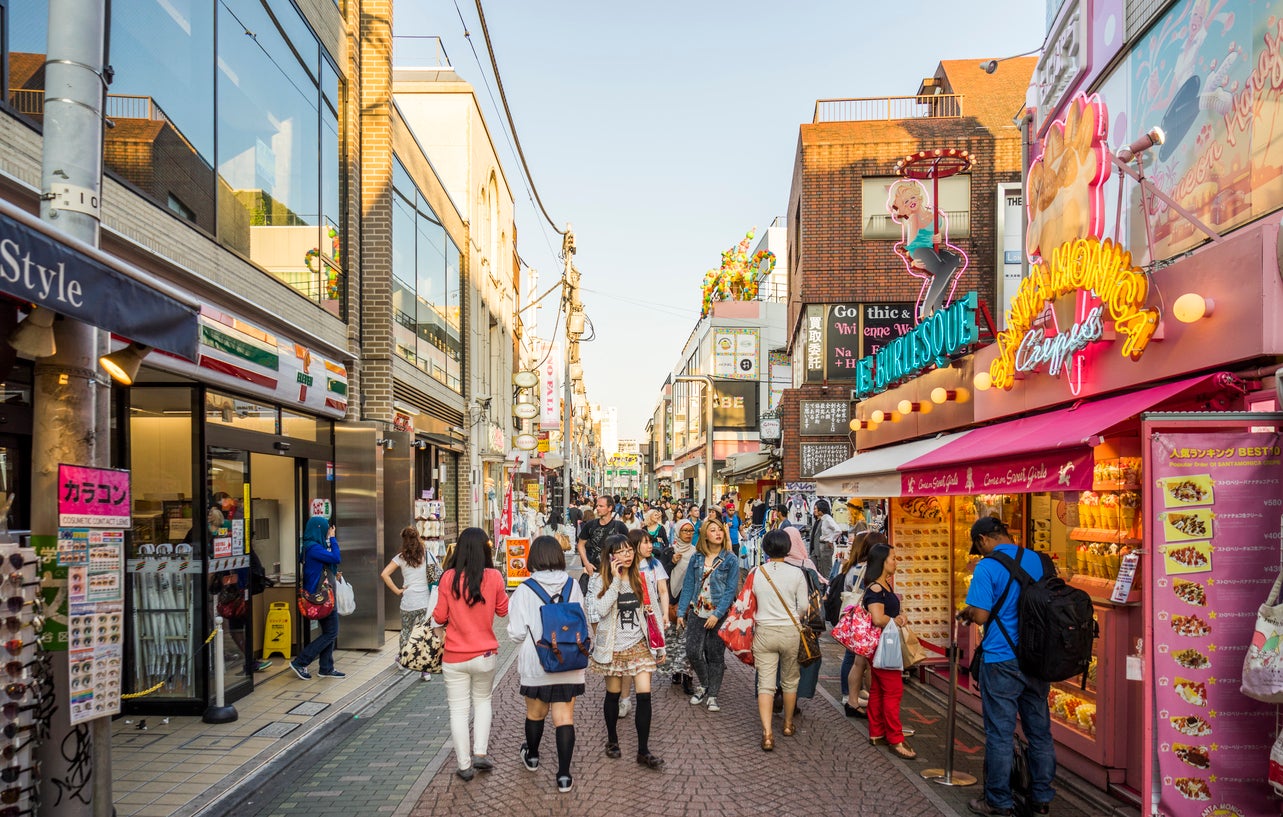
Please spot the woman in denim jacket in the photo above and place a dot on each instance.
(711, 583)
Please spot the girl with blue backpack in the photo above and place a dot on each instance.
(544, 689)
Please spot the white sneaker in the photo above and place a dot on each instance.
(625, 706)
(712, 704)
(425, 676)
(698, 697)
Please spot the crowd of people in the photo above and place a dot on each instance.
(658, 583)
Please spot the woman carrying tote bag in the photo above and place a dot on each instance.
(887, 688)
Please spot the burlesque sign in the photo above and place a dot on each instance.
(931, 343)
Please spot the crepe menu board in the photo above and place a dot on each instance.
(920, 531)
(1217, 550)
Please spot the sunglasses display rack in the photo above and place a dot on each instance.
(28, 683)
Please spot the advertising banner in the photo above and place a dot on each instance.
(517, 560)
(1045, 471)
(735, 405)
(550, 389)
(735, 353)
(1215, 523)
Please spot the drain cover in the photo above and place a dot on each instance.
(309, 708)
(275, 730)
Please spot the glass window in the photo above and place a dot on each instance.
(302, 427)
(955, 199)
(427, 284)
(226, 410)
(331, 192)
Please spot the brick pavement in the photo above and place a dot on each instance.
(714, 764)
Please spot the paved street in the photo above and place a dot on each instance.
(395, 758)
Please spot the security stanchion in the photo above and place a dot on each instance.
(219, 711)
(947, 776)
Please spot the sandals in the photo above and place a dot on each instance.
(902, 750)
(768, 743)
(789, 730)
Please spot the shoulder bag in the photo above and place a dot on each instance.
(808, 643)
(738, 628)
(1263, 663)
(654, 632)
(318, 605)
(423, 649)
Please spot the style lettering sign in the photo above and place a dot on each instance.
(931, 343)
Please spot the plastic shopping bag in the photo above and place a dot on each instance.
(344, 597)
(888, 655)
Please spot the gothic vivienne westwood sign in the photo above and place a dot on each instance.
(931, 343)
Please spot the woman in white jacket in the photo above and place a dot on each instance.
(544, 690)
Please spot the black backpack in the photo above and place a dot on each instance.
(1057, 622)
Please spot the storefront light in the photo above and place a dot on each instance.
(123, 365)
(878, 416)
(1192, 307)
(912, 406)
(982, 381)
(941, 395)
(34, 336)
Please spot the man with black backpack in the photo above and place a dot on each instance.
(1006, 690)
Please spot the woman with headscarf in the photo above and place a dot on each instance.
(320, 563)
(678, 559)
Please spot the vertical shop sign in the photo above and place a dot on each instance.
(550, 389)
(1217, 554)
(814, 343)
(93, 513)
(842, 346)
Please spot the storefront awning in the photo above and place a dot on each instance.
(1046, 452)
(876, 473)
(74, 279)
(741, 466)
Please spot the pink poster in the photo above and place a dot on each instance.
(93, 497)
(1214, 520)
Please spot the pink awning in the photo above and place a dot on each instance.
(1045, 452)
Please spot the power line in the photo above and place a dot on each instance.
(494, 64)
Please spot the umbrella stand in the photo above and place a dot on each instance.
(947, 776)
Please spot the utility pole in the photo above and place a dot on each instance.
(67, 384)
(570, 299)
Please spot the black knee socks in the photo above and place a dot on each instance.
(642, 714)
(565, 748)
(611, 710)
(534, 734)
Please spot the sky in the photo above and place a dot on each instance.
(664, 131)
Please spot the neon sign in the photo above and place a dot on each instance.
(931, 343)
(1107, 287)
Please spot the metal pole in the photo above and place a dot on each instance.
(569, 297)
(947, 776)
(66, 388)
(219, 712)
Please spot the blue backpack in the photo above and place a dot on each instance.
(565, 642)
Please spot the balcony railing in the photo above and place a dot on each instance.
(411, 52)
(878, 109)
(118, 106)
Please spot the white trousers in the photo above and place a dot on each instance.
(468, 686)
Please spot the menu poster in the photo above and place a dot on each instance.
(1217, 542)
(517, 560)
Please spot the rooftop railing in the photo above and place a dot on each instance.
(881, 109)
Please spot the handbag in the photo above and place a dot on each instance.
(888, 654)
(423, 649)
(855, 631)
(808, 643)
(1263, 664)
(911, 648)
(231, 603)
(654, 632)
(738, 628)
(318, 605)
(344, 597)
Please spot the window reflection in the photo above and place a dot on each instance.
(426, 291)
(273, 191)
(228, 410)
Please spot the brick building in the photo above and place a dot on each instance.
(845, 274)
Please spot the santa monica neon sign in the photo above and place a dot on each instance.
(1109, 288)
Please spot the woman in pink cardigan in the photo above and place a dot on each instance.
(470, 595)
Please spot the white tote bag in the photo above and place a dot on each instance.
(888, 655)
(344, 597)
(1263, 663)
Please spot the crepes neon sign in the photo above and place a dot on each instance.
(1108, 289)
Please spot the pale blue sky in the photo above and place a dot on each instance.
(665, 130)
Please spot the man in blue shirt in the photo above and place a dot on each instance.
(1005, 691)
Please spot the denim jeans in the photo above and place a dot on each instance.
(468, 687)
(848, 661)
(707, 654)
(323, 646)
(1005, 691)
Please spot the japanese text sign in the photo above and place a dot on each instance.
(93, 497)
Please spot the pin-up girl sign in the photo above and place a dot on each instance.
(925, 248)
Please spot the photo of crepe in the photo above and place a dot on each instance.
(1190, 592)
(1193, 788)
(1191, 726)
(1183, 526)
(1197, 756)
(1192, 659)
(1182, 492)
(1192, 692)
(1190, 626)
(1195, 557)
